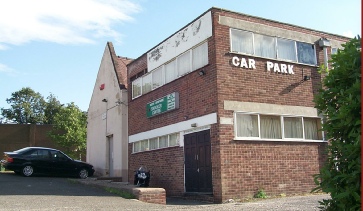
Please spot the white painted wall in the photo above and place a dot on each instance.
(194, 33)
(107, 119)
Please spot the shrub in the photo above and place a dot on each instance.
(340, 102)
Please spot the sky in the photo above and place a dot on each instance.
(55, 47)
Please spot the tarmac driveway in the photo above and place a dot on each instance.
(54, 193)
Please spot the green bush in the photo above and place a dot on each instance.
(261, 194)
(340, 102)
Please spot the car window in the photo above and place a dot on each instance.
(43, 154)
(58, 155)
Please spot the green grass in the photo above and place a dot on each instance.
(121, 193)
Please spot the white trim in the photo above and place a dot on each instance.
(174, 128)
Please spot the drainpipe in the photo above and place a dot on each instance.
(325, 43)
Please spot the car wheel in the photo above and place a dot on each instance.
(28, 171)
(83, 173)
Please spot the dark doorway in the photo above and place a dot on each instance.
(198, 164)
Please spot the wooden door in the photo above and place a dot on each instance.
(198, 164)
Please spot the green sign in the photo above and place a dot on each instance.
(168, 103)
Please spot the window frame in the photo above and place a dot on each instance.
(137, 145)
(276, 48)
(139, 81)
(319, 132)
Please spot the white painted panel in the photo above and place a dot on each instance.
(174, 128)
(183, 40)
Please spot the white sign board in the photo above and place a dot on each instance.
(183, 40)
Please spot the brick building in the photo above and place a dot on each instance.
(224, 107)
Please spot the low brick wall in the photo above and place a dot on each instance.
(149, 195)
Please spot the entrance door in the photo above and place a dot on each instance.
(198, 164)
(109, 156)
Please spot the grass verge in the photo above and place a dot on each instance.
(121, 193)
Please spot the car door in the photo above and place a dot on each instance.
(39, 159)
(61, 164)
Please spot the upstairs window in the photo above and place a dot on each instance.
(181, 65)
(242, 41)
(136, 87)
(170, 71)
(146, 83)
(306, 53)
(286, 50)
(272, 47)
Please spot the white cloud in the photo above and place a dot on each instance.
(66, 21)
(349, 34)
(6, 69)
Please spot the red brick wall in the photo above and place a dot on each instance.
(166, 168)
(240, 168)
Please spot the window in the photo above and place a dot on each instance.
(247, 125)
(311, 126)
(272, 47)
(306, 53)
(144, 145)
(155, 143)
(146, 83)
(58, 155)
(40, 154)
(286, 49)
(174, 139)
(136, 87)
(334, 50)
(183, 64)
(137, 146)
(242, 41)
(163, 141)
(170, 72)
(200, 56)
(293, 127)
(265, 46)
(272, 127)
(157, 78)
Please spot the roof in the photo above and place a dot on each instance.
(119, 64)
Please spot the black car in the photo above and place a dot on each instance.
(40, 160)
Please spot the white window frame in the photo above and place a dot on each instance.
(139, 81)
(276, 54)
(176, 71)
(282, 128)
(138, 143)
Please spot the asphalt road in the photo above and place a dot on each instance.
(54, 193)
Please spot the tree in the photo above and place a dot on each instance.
(340, 102)
(52, 107)
(70, 130)
(27, 107)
